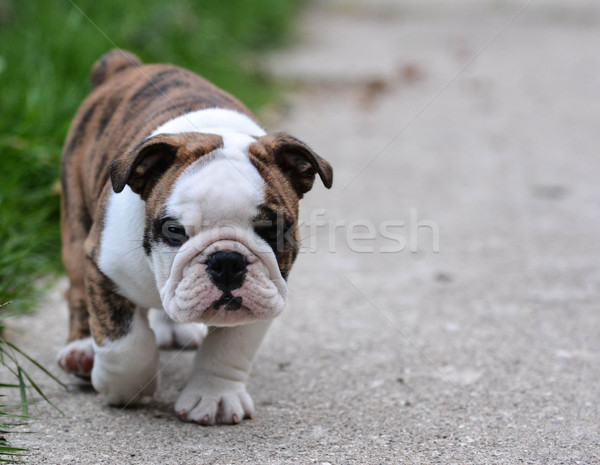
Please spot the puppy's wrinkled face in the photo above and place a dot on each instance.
(211, 265)
(221, 218)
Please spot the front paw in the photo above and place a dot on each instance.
(77, 357)
(124, 375)
(123, 388)
(214, 400)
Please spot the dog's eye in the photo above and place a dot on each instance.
(173, 232)
(274, 228)
(273, 232)
(268, 231)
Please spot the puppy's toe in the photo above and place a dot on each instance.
(209, 407)
(77, 357)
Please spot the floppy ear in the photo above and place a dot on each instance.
(142, 167)
(145, 164)
(297, 161)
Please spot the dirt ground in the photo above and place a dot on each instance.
(445, 307)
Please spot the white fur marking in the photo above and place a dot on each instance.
(213, 121)
(170, 334)
(122, 256)
(125, 370)
(223, 191)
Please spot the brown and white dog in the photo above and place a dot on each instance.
(174, 198)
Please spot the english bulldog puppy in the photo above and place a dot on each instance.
(174, 198)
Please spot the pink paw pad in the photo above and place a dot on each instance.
(77, 358)
(79, 362)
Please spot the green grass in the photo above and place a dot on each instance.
(47, 48)
(12, 364)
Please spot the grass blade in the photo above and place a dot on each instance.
(37, 364)
(39, 391)
(22, 392)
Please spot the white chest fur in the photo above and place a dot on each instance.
(122, 256)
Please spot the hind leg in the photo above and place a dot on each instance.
(77, 356)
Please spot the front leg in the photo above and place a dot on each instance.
(125, 352)
(216, 390)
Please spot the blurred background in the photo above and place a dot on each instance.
(480, 116)
(47, 49)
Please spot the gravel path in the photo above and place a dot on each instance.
(447, 309)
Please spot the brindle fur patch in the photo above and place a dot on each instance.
(111, 314)
(110, 64)
(281, 198)
(296, 167)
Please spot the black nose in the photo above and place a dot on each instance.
(226, 269)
